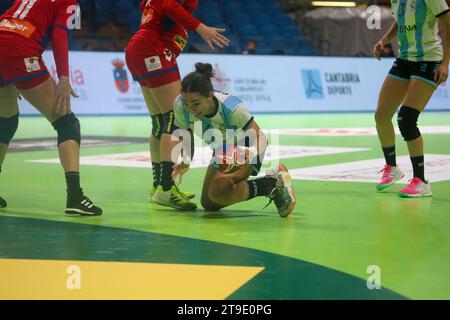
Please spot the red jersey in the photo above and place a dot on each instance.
(29, 25)
(154, 14)
(175, 32)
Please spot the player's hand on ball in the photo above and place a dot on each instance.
(179, 170)
(246, 155)
(233, 158)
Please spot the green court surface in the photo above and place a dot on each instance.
(340, 232)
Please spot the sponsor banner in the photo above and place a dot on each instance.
(342, 132)
(203, 155)
(437, 169)
(264, 83)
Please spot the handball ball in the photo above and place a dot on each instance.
(227, 159)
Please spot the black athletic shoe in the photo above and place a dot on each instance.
(3, 203)
(83, 207)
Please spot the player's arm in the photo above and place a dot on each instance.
(258, 144)
(178, 13)
(190, 5)
(210, 35)
(445, 22)
(441, 11)
(386, 39)
(60, 45)
(175, 129)
(253, 138)
(442, 74)
(251, 155)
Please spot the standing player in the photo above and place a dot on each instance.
(151, 57)
(222, 119)
(420, 68)
(25, 30)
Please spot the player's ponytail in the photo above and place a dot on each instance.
(199, 81)
(205, 69)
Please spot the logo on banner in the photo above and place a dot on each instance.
(312, 84)
(120, 76)
(220, 80)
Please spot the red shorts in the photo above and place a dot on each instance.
(152, 68)
(24, 72)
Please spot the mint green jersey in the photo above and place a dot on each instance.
(417, 28)
(231, 115)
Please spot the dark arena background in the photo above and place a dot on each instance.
(312, 85)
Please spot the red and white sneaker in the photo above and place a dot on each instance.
(416, 189)
(390, 176)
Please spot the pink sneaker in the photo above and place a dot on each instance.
(390, 176)
(416, 189)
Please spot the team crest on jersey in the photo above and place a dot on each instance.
(153, 63)
(180, 42)
(32, 64)
(120, 76)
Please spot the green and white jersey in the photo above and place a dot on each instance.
(231, 115)
(417, 28)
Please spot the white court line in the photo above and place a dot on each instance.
(202, 156)
(437, 168)
(343, 132)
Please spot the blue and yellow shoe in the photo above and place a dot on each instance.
(172, 198)
(283, 195)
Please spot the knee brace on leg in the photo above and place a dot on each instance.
(169, 122)
(68, 128)
(157, 126)
(407, 123)
(8, 127)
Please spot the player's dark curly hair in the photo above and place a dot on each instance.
(200, 80)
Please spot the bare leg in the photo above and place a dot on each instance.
(221, 190)
(417, 97)
(8, 108)
(165, 96)
(42, 98)
(391, 97)
(154, 110)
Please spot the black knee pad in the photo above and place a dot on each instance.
(169, 122)
(157, 126)
(68, 128)
(407, 123)
(8, 127)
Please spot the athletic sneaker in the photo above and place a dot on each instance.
(416, 189)
(187, 194)
(390, 176)
(83, 207)
(283, 194)
(173, 198)
(3, 203)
